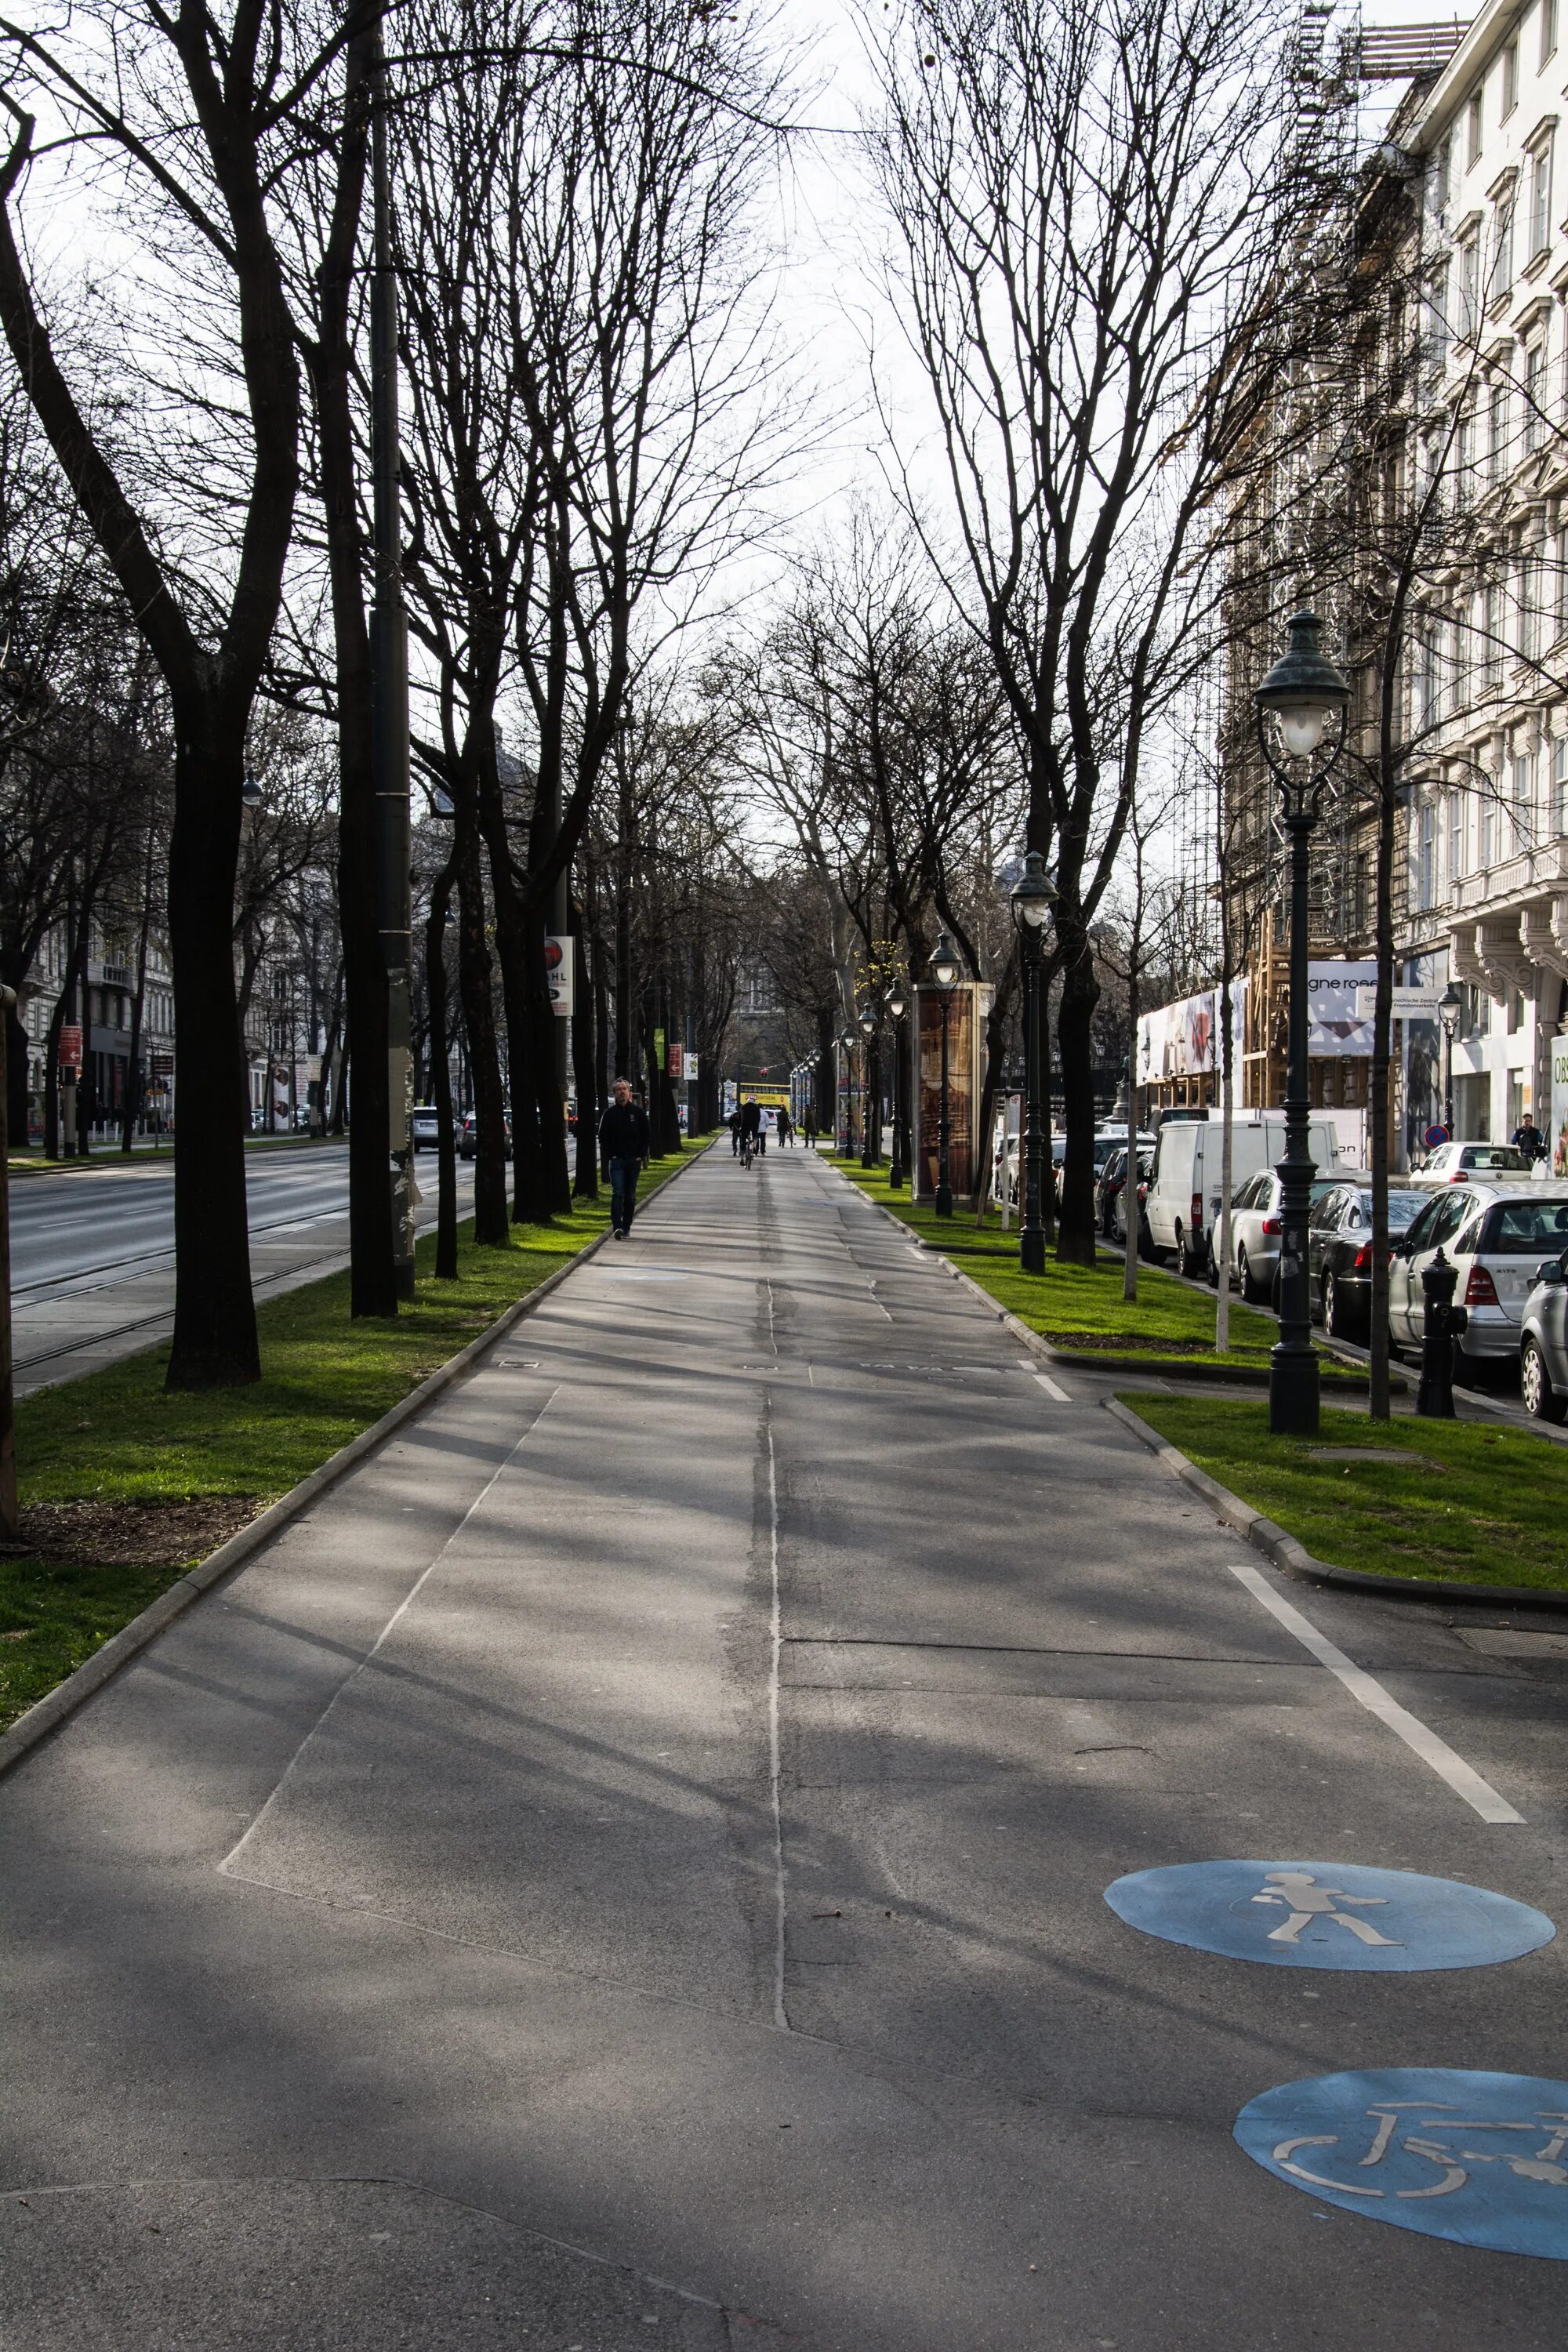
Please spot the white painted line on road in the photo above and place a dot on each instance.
(1462, 1778)
(409, 1598)
(781, 2015)
(1052, 1388)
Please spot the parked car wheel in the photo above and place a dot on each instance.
(1540, 1399)
(1250, 1290)
(1211, 1268)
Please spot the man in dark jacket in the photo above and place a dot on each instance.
(623, 1147)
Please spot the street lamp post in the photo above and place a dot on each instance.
(897, 1002)
(1033, 898)
(871, 1094)
(847, 1041)
(944, 972)
(1303, 693)
(1449, 1006)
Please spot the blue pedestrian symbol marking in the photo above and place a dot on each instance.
(1475, 2159)
(1328, 1915)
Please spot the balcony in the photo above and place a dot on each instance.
(1528, 875)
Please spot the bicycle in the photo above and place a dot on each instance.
(748, 1147)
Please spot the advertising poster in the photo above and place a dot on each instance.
(962, 1056)
(1336, 1023)
(1559, 1136)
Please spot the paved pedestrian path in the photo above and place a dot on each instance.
(629, 1867)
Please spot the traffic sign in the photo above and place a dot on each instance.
(1328, 1915)
(70, 1046)
(1435, 1135)
(1475, 2159)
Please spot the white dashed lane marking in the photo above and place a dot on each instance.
(1052, 1389)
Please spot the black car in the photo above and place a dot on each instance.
(1108, 1187)
(1339, 1253)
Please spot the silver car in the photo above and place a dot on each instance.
(1255, 1227)
(1457, 1163)
(1496, 1235)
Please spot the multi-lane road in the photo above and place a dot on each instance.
(92, 1250)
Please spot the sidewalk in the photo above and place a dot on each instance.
(630, 1866)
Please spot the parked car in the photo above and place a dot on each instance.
(1183, 1198)
(1257, 1228)
(426, 1132)
(1118, 1204)
(1497, 1234)
(1110, 1178)
(1543, 1343)
(1459, 1163)
(1339, 1252)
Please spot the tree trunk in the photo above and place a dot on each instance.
(133, 1066)
(1382, 1009)
(1080, 993)
(441, 1075)
(586, 1176)
(484, 1056)
(215, 1341)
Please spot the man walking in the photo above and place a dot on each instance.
(623, 1147)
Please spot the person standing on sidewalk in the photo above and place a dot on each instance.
(623, 1147)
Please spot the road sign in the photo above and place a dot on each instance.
(675, 1059)
(1409, 1003)
(1328, 1915)
(162, 1065)
(1475, 2159)
(1434, 1137)
(692, 1061)
(70, 1046)
(559, 973)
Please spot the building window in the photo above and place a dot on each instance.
(1523, 801)
(1491, 638)
(1548, 29)
(1486, 851)
(1541, 196)
(1464, 442)
(1560, 785)
(1456, 836)
(1441, 176)
(1535, 395)
(1497, 433)
(1426, 858)
(1470, 286)
(1502, 280)
(1474, 129)
(1509, 79)
(1437, 316)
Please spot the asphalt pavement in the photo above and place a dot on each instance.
(93, 1249)
(629, 1866)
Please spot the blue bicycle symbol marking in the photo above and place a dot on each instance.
(1476, 2158)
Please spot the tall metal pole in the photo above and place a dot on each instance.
(1292, 1361)
(10, 1513)
(896, 1172)
(389, 691)
(1032, 1232)
(943, 1184)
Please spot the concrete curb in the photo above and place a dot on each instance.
(1286, 1553)
(105, 1662)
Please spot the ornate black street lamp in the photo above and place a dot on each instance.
(1033, 898)
(871, 1094)
(1451, 1004)
(944, 974)
(1303, 695)
(897, 1005)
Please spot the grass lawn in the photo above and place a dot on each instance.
(1079, 1306)
(124, 1486)
(1484, 1505)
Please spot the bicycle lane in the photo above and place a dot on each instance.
(1021, 1665)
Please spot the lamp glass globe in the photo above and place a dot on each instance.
(1302, 725)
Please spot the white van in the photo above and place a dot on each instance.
(1183, 1203)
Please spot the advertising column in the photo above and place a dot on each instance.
(962, 1005)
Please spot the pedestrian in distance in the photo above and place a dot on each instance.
(810, 1131)
(764, 1128)
(786, 1129)
(751, 1122)
(1527, 1138)
(623, 1147)
(733, 1124)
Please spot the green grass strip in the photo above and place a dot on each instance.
(1476, 1505)
(116, 1436)
(1078, 1305)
